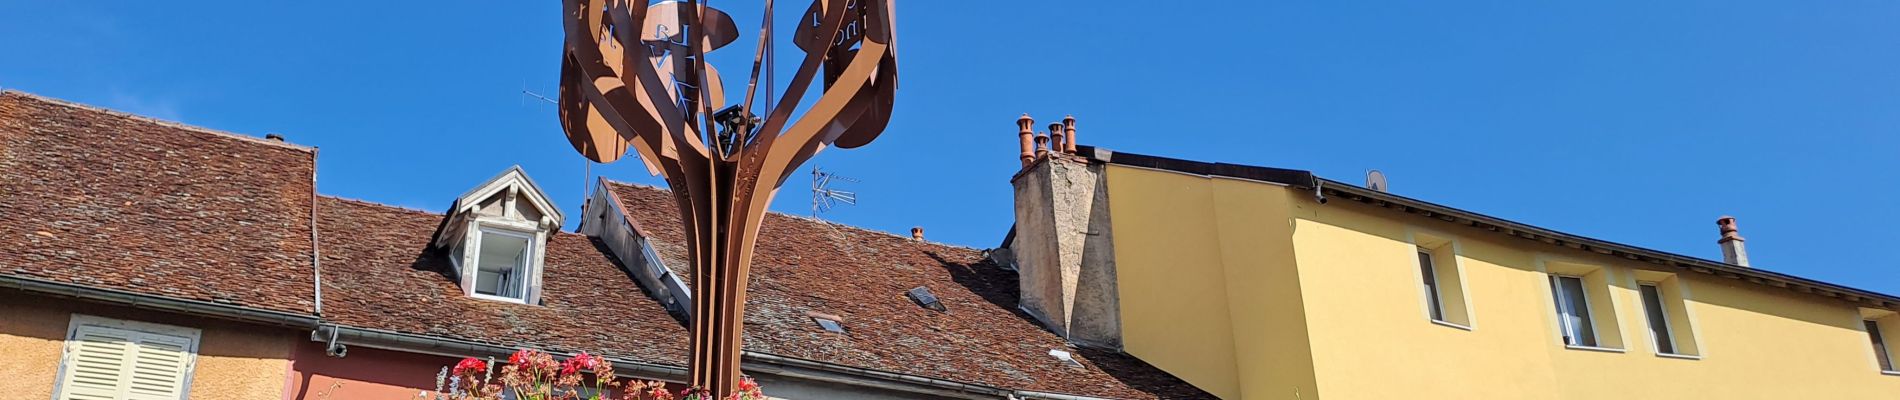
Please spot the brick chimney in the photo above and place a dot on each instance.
(1062, 249)
(1732, 250)
(917, 233)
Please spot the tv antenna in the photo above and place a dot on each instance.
(525, 94)
(823, 197)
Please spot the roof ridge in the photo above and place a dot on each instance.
(165, 123)
(407, 209)
(810, 219)
(378, 204)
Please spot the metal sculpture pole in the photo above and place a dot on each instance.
(634, 75)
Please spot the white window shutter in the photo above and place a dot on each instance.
(96, 363)
(113, 363)
(159, 369)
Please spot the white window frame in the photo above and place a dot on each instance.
(1428, 273)
(1440, 248)
(1563, 322)
(525, 275)
(1669, 329)
(194, 335)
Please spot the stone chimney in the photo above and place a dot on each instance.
(1732, 250)
(1063, 251)
(917, 233)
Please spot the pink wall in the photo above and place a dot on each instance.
(367, 374)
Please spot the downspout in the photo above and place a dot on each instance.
(316, 255)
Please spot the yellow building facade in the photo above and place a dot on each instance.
(1244, 282)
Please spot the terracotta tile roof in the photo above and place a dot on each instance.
(377, 274)
(804, 265)
(105, 199)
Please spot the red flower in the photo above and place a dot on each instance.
(519, 356)
(470, 367)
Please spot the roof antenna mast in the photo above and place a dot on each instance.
(823, 197)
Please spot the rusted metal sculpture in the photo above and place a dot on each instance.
(635, 76)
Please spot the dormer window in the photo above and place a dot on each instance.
(494, 238)
(502, 264)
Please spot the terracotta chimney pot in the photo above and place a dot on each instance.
(1042, 145)
(1025, 134)
(1068, 124)
(1056, 139)
(917, 233)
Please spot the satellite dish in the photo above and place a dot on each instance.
(1375, 180)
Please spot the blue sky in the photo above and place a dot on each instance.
(1634, 121)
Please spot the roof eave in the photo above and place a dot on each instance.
(1524, 231)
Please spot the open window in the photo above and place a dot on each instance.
(502, 264)
(1441, 280)
(495, 236)
(1586, 313)
(1666, 314)
(1883, 328)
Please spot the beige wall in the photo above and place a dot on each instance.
(1224, 280)
(234, 361)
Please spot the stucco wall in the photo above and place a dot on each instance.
(1064, 251)
(234, 361)
(1207, 283)
(365, 373)
(1253, 290)
(1360, 273)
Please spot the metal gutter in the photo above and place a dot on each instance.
(759, 363)
(446, 347)
(159, 303)
(316, 255)
(862, 377)
(854, 376)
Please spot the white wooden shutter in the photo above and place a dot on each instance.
(159, 369)
(95, 365)
(114, 363)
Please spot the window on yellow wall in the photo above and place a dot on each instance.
(1433, 306)
(1881, 326)
(1573, 311)
(1658, 318)
(1881, 355)
(1441, 281)
(1586, 311)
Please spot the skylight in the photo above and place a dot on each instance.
(829, 325)
(923, 297)
(1066, 358)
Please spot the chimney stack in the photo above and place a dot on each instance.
(1057, 140)
(1068, 124)
(1026, 134)
(917, 233)
(1732, 250)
